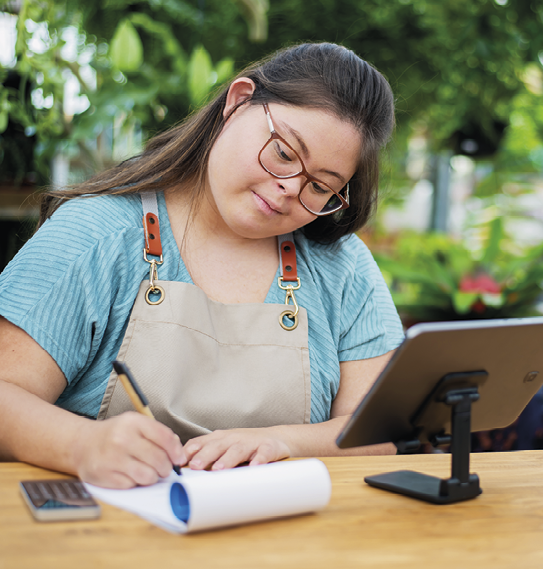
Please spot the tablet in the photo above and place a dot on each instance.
(510, 351)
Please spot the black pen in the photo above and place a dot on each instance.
(136, 394)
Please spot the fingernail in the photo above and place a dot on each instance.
(197, 463)
(218, 466)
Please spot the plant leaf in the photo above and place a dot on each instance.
(495, 236)
(4, 117)
(405, 274)
(462, 301)
(126, 48)
(200, 74)
(224, 69)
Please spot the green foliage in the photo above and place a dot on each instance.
(450, 63)
(435, 277)
(202, 75)
(521, 152)
(126, 49)
(140, 64)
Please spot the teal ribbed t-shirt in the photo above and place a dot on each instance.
(72, 287)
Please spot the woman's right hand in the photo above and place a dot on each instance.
(126, 451)
(121, 452)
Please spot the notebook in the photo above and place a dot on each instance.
(201, 500)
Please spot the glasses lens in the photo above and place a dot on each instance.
(320, 199)
(280, 160)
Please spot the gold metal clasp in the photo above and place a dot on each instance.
(289, 288)
(153, 276)
(153, 260)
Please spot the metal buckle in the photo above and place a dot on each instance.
(290, 288)
(153, 275)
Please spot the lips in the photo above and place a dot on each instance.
(266, 205)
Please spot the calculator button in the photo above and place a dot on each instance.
(45, 490)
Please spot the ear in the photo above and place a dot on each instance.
(241, 90)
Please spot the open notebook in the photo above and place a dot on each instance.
(200, 500)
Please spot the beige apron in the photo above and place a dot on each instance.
(205, 365)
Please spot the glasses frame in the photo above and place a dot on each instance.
(274, 135)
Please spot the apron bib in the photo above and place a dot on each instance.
(205, 365)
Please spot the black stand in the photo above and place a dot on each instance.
(457, 391)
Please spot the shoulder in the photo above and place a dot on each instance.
(83, 225)
(354, 299)
(342, 261)
(98, 216)
(76, 278)
(84, 235)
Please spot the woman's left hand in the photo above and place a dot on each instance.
(226, 449)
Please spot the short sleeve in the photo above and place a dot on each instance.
(370, 325)
(62, 286)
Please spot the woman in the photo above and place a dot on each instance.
(193, 297)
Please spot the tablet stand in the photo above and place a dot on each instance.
(457, 391)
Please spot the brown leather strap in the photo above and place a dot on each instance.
(151, 228)
(288, 261)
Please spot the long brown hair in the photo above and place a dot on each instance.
(315, 75)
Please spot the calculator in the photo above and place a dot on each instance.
(59, 500)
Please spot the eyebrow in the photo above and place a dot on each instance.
(297, 136)
(305, 150)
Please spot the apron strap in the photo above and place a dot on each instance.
(153, 246)
(151, 226)
(289, 275)
(287, 256)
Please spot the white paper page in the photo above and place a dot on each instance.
(253, 493)
(229, 497)
(150, 502)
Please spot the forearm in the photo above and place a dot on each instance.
(35, 431)
(319, 439)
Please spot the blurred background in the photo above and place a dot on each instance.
(459, 231)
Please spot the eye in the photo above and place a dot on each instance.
(319, 189)
(282, 153)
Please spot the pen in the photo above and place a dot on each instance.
(136, 394)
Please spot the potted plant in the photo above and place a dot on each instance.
(434, 277)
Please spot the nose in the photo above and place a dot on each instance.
(292, 186)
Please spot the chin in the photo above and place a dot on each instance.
(255, 232)
(255, 227)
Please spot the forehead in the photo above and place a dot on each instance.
(316, 133)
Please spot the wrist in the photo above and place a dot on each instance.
(78, 444)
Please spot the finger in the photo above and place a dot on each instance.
(164, 438)
(268, 452)
(106, 478)
(148, 453)
(192, 447)
(116, 480)
(143, 439)
(234, 455)
(141, 473)
(210, 448)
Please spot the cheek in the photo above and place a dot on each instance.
(233, 165)
(301, 216)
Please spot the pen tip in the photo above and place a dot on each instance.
(177, 469)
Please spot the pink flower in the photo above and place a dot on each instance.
(482, 283)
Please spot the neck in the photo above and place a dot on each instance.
(227, 267)
(197, 220)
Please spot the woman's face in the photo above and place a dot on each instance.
(251, 203)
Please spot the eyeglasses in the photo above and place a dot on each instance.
(280, 160)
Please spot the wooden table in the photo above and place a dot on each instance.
(361, 527)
